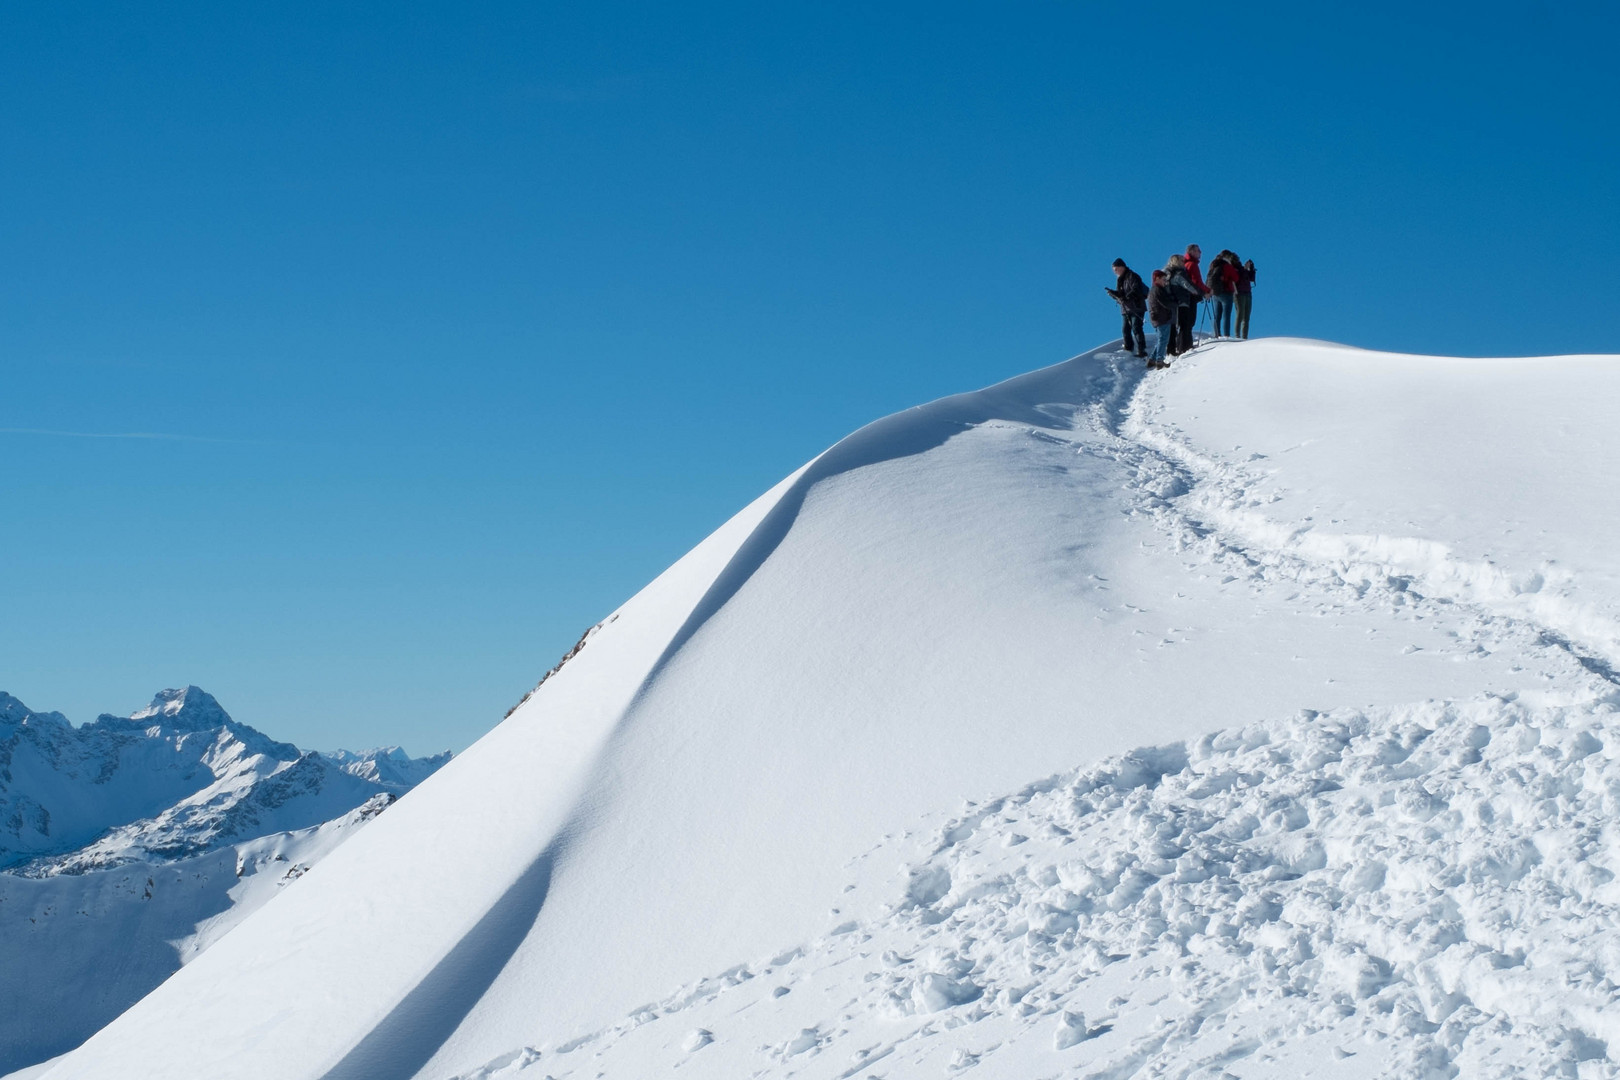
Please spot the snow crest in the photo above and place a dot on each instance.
(1410, 874)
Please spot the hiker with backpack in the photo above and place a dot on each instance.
(1162, 311)
(1131, 296)
(1223, 282)
(1187, 295)
(1245, 296)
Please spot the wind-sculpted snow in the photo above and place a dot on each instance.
(1041, 398)
(1037, 576)
(1419, 892)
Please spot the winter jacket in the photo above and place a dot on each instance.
(1131, 294)
(1195, 276)
(1245, 281)
(1223, 277)
(1182, 288)
(1161, 303)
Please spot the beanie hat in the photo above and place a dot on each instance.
(1119, 262)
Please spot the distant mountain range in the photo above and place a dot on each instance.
(131, 844)
(175, 779)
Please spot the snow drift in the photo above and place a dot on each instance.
(951, 603)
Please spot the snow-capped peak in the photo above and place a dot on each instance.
(146, 837)
(390, 767)
(190, 709)
(177, 713)
(173, 779)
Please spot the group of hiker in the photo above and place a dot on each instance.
(1171, 304)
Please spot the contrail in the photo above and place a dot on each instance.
(112, 435)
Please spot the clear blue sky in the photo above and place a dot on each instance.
(461, 322)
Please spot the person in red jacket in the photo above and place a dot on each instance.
(1245, 296)
(1190, 265)
(1194, 274)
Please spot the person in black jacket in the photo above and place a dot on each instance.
(1162, 313)
(1187, 296)
(1132, 299)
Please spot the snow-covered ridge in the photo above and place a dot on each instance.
(389, 767)
(172, 780)
(951, 602)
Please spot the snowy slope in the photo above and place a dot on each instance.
(1424, 891)
(142, 840)
(1483, 482)
(78, 949)
(953, 603)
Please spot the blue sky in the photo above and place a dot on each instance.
(453, 325)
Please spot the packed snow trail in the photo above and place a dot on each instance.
(950, 602)
(1352, 476)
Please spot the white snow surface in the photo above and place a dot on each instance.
(135, 842)
(77, 949)
(1315, 647)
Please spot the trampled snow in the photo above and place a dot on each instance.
(1314, 647)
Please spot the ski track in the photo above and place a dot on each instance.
(1417, 891)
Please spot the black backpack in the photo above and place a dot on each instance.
(1132, 292)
